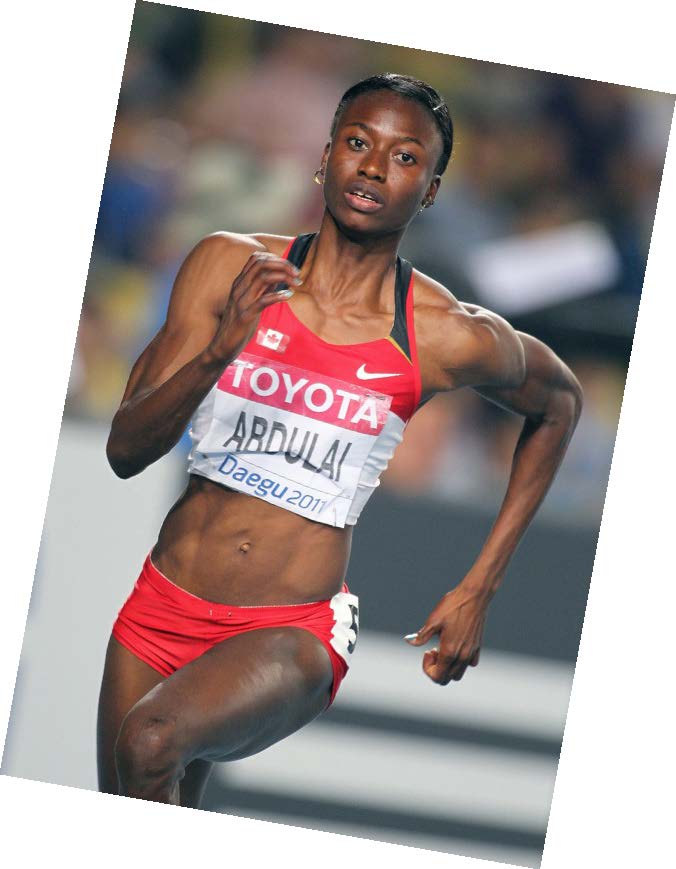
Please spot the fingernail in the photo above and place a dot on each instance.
(285, 293)
(298, 282)
(410, 636)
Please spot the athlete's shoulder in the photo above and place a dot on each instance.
(220, 256)
(206, 275)
(430, 295)
(217, 254)
(460, 340)
(228, 245)
(235, 244)
(440, 317)
(437, 307)
(276, 244)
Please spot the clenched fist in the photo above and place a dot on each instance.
(458, 620)
(264, 280)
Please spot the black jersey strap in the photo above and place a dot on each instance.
(299, 248)
(399, 334)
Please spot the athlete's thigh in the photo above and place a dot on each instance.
(242, 695)
(126, 679)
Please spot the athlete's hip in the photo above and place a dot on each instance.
(167, 627)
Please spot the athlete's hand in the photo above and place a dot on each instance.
(458, 620)
(256, 287)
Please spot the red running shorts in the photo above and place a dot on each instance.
(167, 627)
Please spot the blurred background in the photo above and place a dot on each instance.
(545, 216)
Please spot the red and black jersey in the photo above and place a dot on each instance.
(305, 424)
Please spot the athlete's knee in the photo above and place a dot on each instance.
(148, 755)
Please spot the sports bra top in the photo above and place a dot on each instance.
(305, 424)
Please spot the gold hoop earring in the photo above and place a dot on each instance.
(319, 176)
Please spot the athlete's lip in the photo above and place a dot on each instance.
(357, 193)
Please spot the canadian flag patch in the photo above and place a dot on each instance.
(272, 339)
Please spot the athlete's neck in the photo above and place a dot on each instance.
(347, 271)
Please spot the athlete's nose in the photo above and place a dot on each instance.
(374, 166)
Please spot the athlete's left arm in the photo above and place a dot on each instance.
(550, 398)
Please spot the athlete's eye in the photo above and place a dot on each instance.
(406, 158)
(356, 143)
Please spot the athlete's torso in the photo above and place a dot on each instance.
(310, 425)
(307, 425)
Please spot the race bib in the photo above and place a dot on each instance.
(293, 437)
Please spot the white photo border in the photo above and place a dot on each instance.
(62, 69)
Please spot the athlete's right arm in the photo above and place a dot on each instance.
(220, 291)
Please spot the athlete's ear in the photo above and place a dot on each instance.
(325, 155)
(432, 189)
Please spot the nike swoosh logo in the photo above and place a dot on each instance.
(362, 374)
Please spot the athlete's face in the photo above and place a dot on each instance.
(379, 166)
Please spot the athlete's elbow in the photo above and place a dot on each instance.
(123, 464)
(121, 468)
(124, 472)
(571, 395)
(565, 405)
(576, 398)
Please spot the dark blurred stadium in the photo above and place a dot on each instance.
(545, 216)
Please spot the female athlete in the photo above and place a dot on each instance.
(298, 363)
